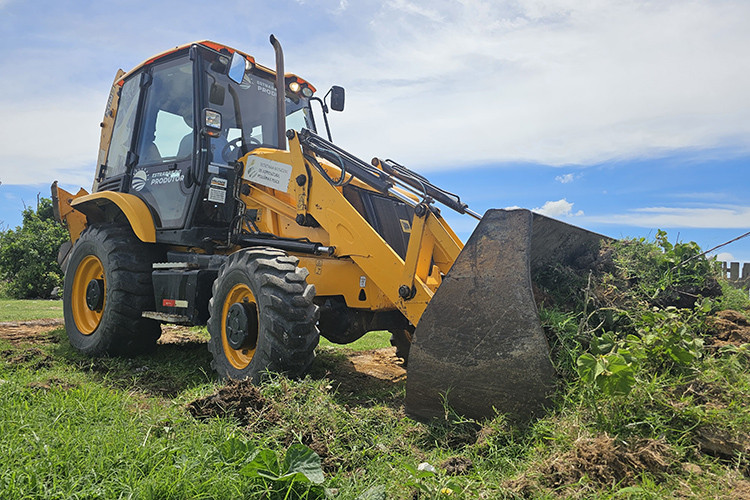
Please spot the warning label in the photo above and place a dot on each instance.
(217, 195)
(268, 173)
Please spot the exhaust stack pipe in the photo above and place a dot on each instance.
(280, 93)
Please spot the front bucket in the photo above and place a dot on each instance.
(479, 347)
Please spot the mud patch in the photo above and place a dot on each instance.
(729, 328)
(456, 466)
(50, 384)
(30, 332)
(360, 375)
(239, 400)
(606, 461)
(741, 490)
(721, 444)
(32, 358)
(602, 461)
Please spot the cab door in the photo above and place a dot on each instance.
(161, 169)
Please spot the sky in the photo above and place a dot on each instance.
(622, 117)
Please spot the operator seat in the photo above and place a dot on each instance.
(185, 148)
(150, 154)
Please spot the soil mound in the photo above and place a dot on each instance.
(239, 400)
(456, 466)
(729, 328)
(603, 461)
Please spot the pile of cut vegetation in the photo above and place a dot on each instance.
(653, 346)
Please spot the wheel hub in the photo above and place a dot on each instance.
(239, 320)
(95, 294)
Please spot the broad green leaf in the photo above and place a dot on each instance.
(301, 459)
(264, 464)
(620, 377)
(376, 492)
(681, 355)
(233, 449)
(616, 363)
(587, 367)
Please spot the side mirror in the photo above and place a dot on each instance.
(237, 68)
(211, 123)
(337, 98)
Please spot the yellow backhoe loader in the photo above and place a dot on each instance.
(216, 201)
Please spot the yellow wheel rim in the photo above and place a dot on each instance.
(87, 320)
(238, 358)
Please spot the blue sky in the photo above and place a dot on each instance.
(621, 117)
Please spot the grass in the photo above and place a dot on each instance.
(77, 427)
(95, 442)
(25, 310)
(371, 340)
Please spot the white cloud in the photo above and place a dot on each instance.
(50, 140)
(670, 217)
(565, 179)
(440, 85)
(725, 257)
(559, 208)
(552, 82)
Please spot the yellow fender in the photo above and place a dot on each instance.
(98, 208)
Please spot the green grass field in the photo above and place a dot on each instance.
(371, 340)
(78, 427)
(25, 310)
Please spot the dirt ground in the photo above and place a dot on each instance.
(30, 332)
(359, 369)
(729, 328)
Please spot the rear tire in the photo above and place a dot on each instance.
(262, 316)
(107, 287)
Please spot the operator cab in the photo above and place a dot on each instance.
(183, 119)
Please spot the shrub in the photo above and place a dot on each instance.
(666, 274)
(28, 254)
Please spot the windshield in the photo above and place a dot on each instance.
(248, 110)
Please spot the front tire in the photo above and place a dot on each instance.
(262, 316)
(107, 287)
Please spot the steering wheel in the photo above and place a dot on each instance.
(238, 144)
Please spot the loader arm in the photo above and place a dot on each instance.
(409, 283)
(479, 346)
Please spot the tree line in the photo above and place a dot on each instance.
(28, 254)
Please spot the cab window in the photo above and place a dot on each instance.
(167, 125)
(122, 133)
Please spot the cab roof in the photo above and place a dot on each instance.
(218, 47)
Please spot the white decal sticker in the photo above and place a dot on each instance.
(139, 180)
(219, 182)
(266, 87)
(269, 173)
(362, 281)
(166, 177)
(217, 195)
